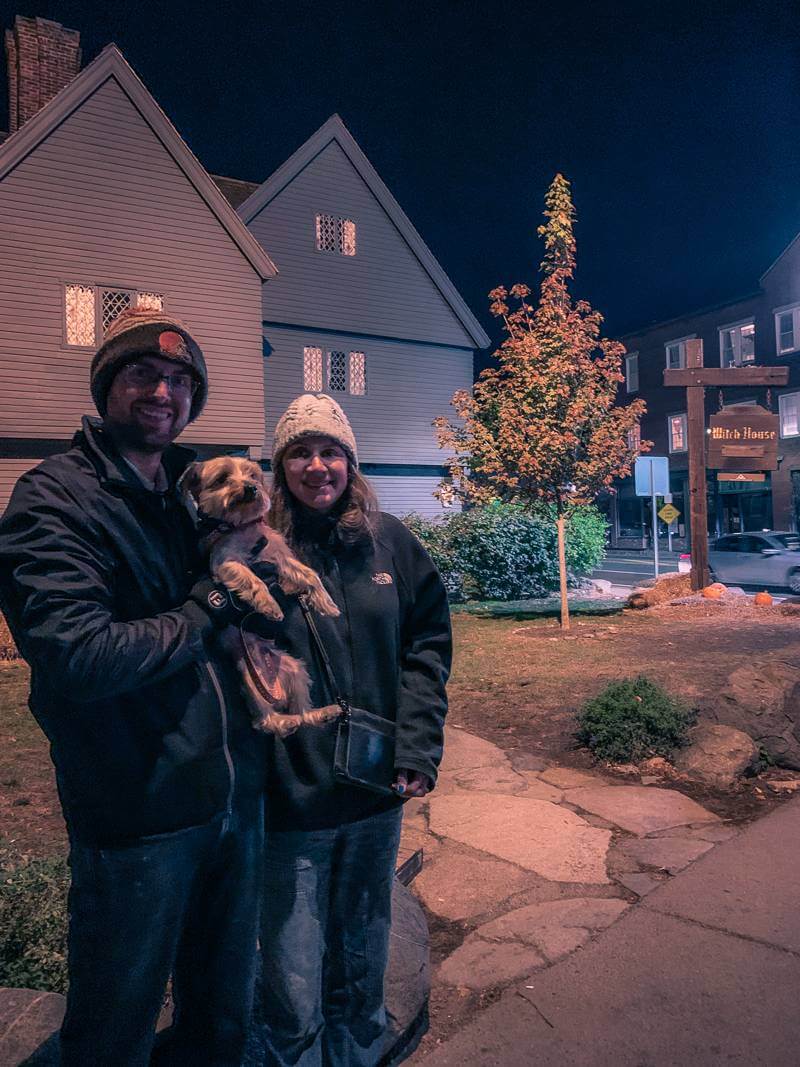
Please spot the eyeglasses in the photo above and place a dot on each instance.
(140, 376)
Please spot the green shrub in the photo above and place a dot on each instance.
(502, 552)
(33, 923)
(633, 719)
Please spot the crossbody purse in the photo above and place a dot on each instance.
(364, 754)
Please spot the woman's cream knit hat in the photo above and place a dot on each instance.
(309, 415)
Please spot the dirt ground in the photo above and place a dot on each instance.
(519, 684)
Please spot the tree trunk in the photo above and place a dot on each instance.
(562, 571)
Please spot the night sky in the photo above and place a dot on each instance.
(677, 123)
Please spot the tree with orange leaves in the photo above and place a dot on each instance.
(543, 427)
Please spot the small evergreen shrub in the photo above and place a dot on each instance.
(633, 719)
(502, 552)
(33, 923)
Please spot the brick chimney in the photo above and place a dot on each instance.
(43, 57)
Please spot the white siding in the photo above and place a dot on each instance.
(401, 495)
(407, 387)
(382, 290)
(101, 200)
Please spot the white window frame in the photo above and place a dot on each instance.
(682, 415)
(781, 403)
(98, 290)
(681, 341)
(632, 372)
(736, 329)
(313, 369)
(635, 437)
(794, 310)
(345, 237)
(322, 361)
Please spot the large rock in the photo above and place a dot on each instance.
(717, 755)
(639, 809)
(763, 700)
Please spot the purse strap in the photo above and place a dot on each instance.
(326, 663)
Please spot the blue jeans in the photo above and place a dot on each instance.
(184, 904)
(325, 942)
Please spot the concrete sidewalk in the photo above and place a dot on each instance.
(704, 970)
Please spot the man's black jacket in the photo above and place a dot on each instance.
(148, 732)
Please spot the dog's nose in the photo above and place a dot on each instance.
(249, 493)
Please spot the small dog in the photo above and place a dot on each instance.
(229, 501)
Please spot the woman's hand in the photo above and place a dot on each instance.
(409, 783)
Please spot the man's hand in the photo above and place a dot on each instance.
(410, 783)
(223, 607)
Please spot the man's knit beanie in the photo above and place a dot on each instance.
(143, 332)
(311, 415)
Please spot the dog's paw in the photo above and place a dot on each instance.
(265, 604)
(322, 602)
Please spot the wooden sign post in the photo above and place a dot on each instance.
(694, 379)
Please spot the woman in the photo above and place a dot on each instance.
(331, 848)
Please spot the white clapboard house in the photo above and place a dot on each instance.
(319, 283)
(362, 310)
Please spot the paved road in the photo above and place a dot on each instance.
(627, 569)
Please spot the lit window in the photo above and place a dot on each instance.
(787, 329)
(632, 372)
(358, 374)
(89, 310)
(737, 344)
(789, 407)
(676, 431)
(312, 370)
(336, 235)
(635, 438)
(80, 315)
(150, 301)
(337, 372)
(347, 237)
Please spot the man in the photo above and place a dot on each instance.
(158, 768)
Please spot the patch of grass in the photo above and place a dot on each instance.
(633, 719)
(33, 922)
(539, 608)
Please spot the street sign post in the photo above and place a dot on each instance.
(651, 477)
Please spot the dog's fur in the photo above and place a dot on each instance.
(232, 491)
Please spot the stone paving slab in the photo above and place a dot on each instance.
(566, 778)
(27, 1018)
(639, 809)
(479, 964)
(533, 834)
(555, 928)
(670, 854)
(497, 779)
(463, 751)
(458, 884)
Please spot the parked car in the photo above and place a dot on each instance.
(766, 557)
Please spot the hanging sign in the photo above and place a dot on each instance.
(743, 437)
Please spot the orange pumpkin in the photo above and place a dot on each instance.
(763, 600)
(715, 591)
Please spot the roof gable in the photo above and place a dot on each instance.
(111, 64)
(334, 130)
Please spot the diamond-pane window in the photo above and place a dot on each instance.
(337, 372)
(150, 301)
(79, 311)
(312, 370)
(114, 301)
(347, 237)
(327, 226)
(358, 373)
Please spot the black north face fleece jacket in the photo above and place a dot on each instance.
(390, 649)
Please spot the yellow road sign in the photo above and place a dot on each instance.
(669, 513)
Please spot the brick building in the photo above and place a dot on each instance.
(762, 328)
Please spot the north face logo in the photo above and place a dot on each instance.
(382, 579)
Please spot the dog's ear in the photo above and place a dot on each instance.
(189, 482)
